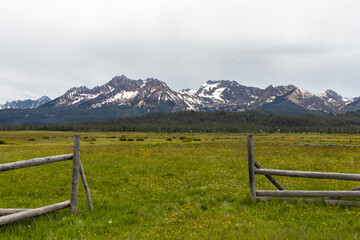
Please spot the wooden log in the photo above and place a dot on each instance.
(75, 175)
(270, 178)
(34, 162)
(322, 175)
(330, 202)
(251, 167)
(86, 187)
(7, 211)
(33, 212)
(280, 193)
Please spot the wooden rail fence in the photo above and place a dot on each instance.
(256, 169)
(12, 215)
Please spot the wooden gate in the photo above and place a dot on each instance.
(12, 215)
(256, 169)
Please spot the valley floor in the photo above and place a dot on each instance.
(177, 186)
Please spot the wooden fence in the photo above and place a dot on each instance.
(12, 215)
(256, 169)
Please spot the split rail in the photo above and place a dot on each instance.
(11, 215)
(323, 196)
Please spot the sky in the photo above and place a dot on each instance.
(48, 47)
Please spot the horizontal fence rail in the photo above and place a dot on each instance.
(311, 200)
(304, 174)
(34, 162)
(33, 212)
(283, 194)
(300, 193)
(7, 211)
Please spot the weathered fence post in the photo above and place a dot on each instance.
(251, 162)
(75, 175)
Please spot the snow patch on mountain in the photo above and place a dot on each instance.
(211, 90)
(121, 98)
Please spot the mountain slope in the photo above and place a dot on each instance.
(332, 99)
(220, 95)
(352, 105)
(230, 96)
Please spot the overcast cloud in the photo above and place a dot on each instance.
(47, 47)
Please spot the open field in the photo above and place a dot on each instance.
(161, 189)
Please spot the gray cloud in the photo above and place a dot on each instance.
(48, 47)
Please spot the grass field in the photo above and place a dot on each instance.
(165, 187)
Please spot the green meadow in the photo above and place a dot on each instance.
(177, 186)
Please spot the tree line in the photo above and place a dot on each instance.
(219, 121)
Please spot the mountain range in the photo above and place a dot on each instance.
(151, 94)
(122, 96)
